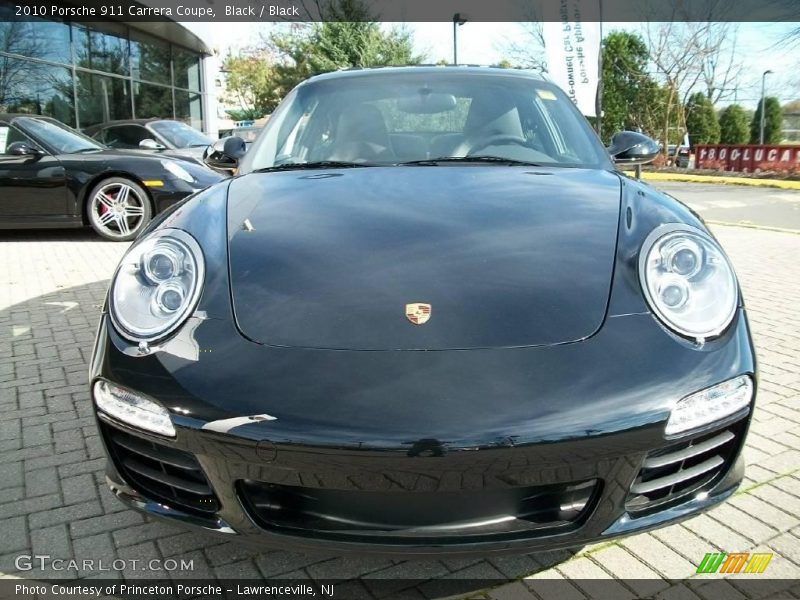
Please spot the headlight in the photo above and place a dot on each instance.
(688, 281)
(132, 408)
(177, 170)
(157, 285)
(711, 404)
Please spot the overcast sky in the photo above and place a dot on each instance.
(484, 43)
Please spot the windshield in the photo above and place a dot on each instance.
(180, 135)
(396, 118)
(58, 136)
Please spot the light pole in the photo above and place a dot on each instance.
(763, 85)
(458, 21)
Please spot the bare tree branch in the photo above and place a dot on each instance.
(695, 47)
(528, 52)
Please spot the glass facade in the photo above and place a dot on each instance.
(84, 75)
(102, 98)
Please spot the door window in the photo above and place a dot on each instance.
(9, 135)
(126, 136)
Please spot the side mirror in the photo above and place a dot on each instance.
(632, 148)
(23, 149)
(225, 153)
(148, 144)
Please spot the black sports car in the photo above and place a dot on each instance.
(428, 316)
(53, 176)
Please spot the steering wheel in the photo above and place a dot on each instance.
(497, 139)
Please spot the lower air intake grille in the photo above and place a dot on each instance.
(161, 473)
(395, 517)
(669, 474)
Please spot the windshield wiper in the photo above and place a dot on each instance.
(80, 150)
(499, 160)
(322, 164)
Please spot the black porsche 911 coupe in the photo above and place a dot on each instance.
(53, 176)
(427, 316)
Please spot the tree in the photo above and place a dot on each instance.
(261, 76)
(669, 44)
(791, 121)
(631, 98)
(696, 45)
(244, 114)
(701, 120)
(527, 52)
(720, 68)
(773, 122)
(792, 39)
(332, 45)
(251, 81)
(17, 77)
(733, 125)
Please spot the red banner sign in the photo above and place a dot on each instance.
(747, 158)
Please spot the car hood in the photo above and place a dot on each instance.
(195, 153)
(146, 162)
(504, 256)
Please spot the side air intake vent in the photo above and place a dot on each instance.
(161, 473)
(671, 473)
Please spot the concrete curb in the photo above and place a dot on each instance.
(720, 180)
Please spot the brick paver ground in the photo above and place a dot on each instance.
(53, 499)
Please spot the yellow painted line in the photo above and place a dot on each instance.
(721, 179)
(753, 226)
(153, 183)
(758, 484)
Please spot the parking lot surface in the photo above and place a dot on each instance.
(53, 498)
(738, 204)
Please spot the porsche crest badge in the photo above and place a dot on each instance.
(418, 313)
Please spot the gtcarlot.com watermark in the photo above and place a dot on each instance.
(28, 562)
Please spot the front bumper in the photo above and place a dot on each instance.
(605, 519)
(495, 449)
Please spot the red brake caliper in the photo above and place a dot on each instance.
(103, 209)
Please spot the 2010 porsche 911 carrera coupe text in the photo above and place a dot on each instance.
(427, 316)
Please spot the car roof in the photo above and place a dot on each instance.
(92, 128)
(465, 70)
(12, 116)
(125, 122)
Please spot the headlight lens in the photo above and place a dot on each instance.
(688, 281)
(711, 404)
(132, 408)
(177, 170)
(157, 285)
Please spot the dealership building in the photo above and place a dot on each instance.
(87, 73)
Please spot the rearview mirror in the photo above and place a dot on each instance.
(23, 149)
(225, 153)
(427, 103)
(632, 148)
(148, 144)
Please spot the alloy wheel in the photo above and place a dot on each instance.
(118, 209)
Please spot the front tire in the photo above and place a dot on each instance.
(118, 209)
